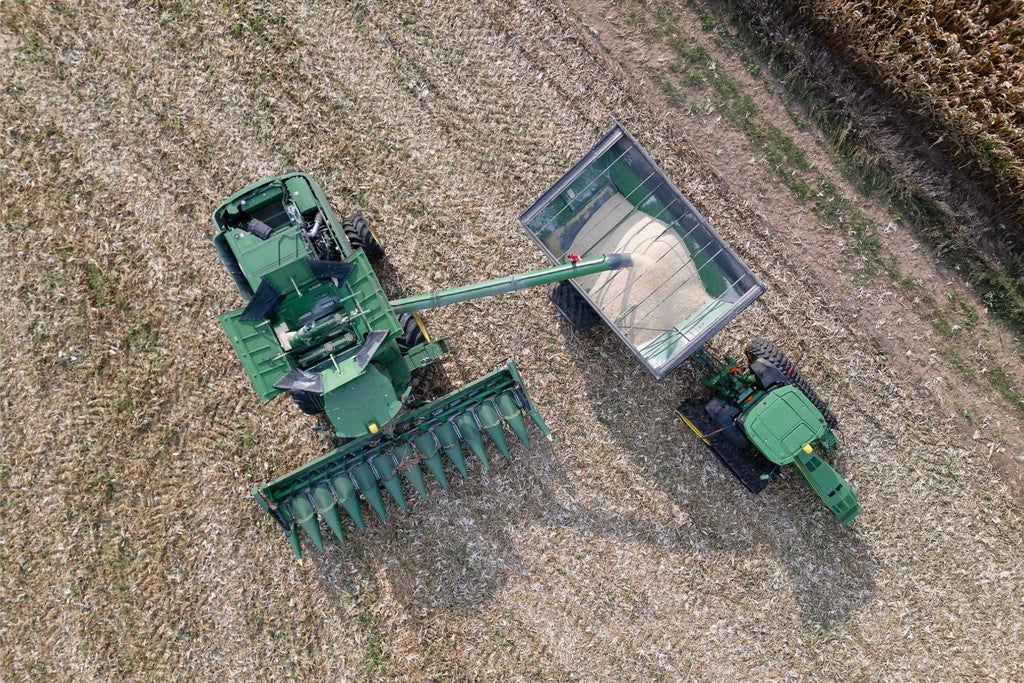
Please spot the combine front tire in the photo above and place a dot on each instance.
(412, 335)
(308, 402)
(763, 349)
(360, 237)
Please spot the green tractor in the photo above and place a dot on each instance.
(764, 420)
(317, 326)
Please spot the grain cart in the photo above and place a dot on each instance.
(316, 325)
(686, 285)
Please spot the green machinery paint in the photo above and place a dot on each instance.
(317, 325)
(769, 418)
(758, 422)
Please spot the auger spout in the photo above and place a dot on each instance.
(511, 283)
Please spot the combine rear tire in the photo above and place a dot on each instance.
(412, 335)
(308, 402)
(768, 352)
(359, 237)
(573, 307)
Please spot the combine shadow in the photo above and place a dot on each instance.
(452, 554)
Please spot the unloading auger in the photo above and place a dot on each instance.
(317, 325)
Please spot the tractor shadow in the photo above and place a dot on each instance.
(828, 568)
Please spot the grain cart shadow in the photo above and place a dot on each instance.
(827, 567)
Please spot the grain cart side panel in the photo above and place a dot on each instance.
(686, 284)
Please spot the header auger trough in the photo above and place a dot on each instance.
(316, 324)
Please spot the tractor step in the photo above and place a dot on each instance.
(752, 469)
(452, 426)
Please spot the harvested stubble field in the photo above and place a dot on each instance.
(622, 549)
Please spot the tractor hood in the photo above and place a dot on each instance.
(782, 422)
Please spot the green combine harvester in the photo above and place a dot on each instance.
(628, 249)
(316, 325)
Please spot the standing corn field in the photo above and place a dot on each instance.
(957, 66)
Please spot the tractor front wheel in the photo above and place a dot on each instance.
(763, 349)
(360, 237)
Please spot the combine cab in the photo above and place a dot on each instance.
(317, 325)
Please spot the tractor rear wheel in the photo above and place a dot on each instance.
(573, 307)
(768, 352)
(308, 402)
(360, 237)
(412, 335)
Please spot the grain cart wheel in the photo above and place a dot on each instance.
(763, 349)
(360, 237)
(412, 335)
(573, 307)
(308, 402)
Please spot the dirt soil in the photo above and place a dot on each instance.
(622, 549)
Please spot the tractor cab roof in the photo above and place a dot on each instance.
(782, 422)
